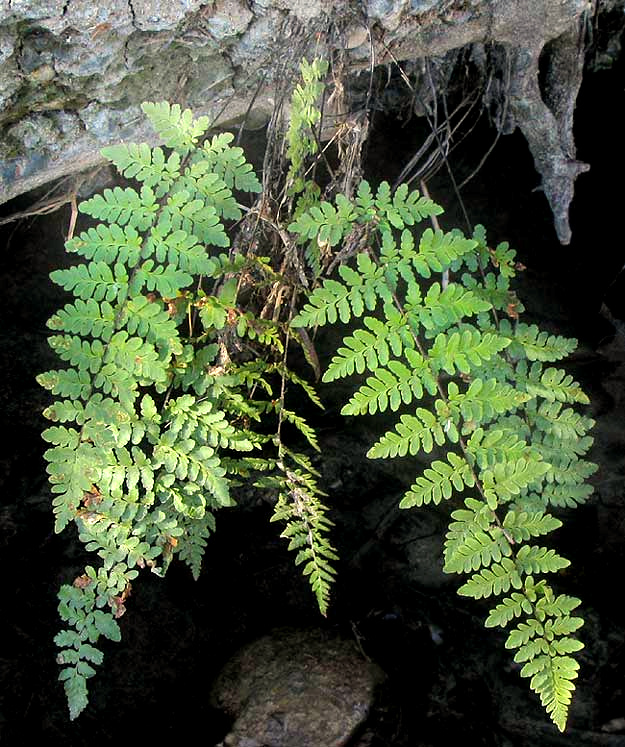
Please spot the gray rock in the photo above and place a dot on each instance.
(81, 57)
(296, 688)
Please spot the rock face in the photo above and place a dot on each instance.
(295, 688)
(73, 73)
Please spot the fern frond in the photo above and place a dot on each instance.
(325, 223)
(366, 349)
(229, 163)
(495, 290)
(305, 116)
(468, 547)
(528, 341)
(510, 607)
(334, 300)
(442, 308)
(521, 525)
(176, 127)
(148, 318)
(96, 280)
(439, 482)
(438, 251)
(504, 481)
(553, 384)
(147, 165)
(412, 434)
(67, 383)
(396, 209)
(166, 280)
(391, 386)
(500, 577)
(460, 351)
(85, 318)
(77, 606)
(108, 244)
(307, 524)
(561, 424)
(191, 544)
(122, 207)
(484, 399)
(494, 445)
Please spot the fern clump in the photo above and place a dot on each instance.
(438, 340)
(172, 389)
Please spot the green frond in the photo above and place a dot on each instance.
(561, 424)
(145, 164)
(468, 547)
(391, 386)
(166, 280)
(510, 607)
(176, 127)
(66, 383)
(484, 399)
(307, 525)
(148, 318)
(438, 251)
(86, 318)
(334, 300)
(528, 341)
(195, 467)
(229, 164)
(460, 351)
(506, 480)
(521, 525)
(191, 545)
(302, 426)
(65, 411)
(494, 445)
(305, 116)
(552, 384)
(412, 434)
(532, 559)
(497, 579)
(396, 209)
(77, 607)
(543, 648)
(439, 481)
(365, 350)
(96, 280)
(568, 495)
(504, 258)
(495, 290)
(122, 207)
(324, 222)
(443, 308)
(211, 197)
(108, 244)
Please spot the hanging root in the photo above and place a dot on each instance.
(546, 119)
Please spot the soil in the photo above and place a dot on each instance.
(448, 679)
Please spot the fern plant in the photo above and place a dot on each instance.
(472, 386)
(173, 385)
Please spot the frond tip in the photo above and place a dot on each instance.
(300, 508)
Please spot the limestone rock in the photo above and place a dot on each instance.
(73, 73)
(295, 688)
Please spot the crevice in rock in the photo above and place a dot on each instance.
(133, 15)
